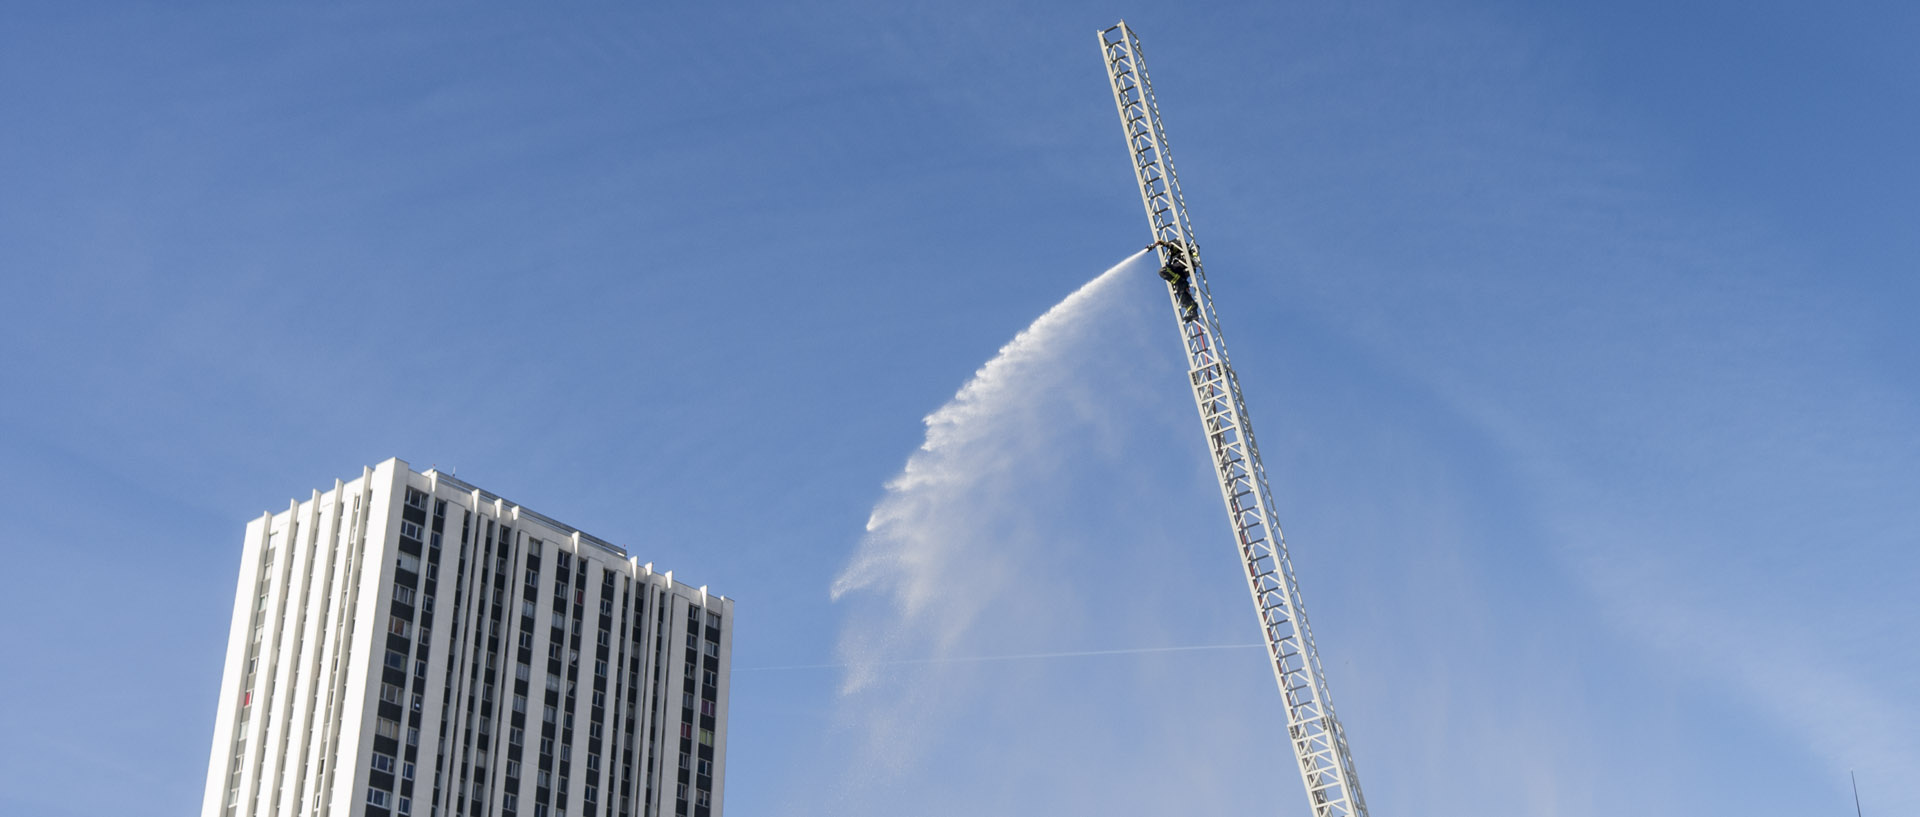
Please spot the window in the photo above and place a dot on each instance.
(397, 660)
(376, 797)
(526, 641)
(712, 678)
(413, 736)
(521, 672)
(417, 701)
(382, 763)
(406, 771)
(416, 499)
(593, 730)
(513, 768)
(545, 779)
(509, 802)
(551, 713)
(399, 627)
(700, 799)
(519, 703)
(606, 607)
(706, 708)
(592, 794)
(420, 668)
(686, 730)
(391, 694)
(403, 594)
(533, 580)
(553, 682)
(386, 728)
(526, 608)
(406, 805)
(600, 668)
(407, 562)
(603, 639)
(706, 768)
(599, 699)
(686, 760)
(409, 530)
(515, 735)
(706, 737)
(713, 649)
(546, 746)
(686, 700)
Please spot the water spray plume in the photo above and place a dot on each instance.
(912, 551)
(955, 424)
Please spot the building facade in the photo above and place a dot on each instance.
(406, 644)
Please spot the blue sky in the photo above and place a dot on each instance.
(1579, 341)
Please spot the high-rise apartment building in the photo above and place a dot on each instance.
(406, 644)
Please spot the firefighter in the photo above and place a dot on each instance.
(1180, 277)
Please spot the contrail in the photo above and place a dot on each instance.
(980, 659)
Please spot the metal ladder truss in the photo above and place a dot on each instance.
(1319, 743)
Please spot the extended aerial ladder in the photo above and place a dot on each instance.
(1319, 742)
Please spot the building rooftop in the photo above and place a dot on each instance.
(441, 478)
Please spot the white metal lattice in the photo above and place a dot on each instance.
(1319, 742)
